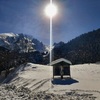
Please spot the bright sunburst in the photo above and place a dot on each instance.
(51, 10)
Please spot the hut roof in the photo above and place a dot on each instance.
(60, 60)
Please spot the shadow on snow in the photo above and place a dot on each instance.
(66, 81)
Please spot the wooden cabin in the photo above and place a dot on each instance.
(61, 67)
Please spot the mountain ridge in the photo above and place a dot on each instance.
(21, 43)
(82, 49)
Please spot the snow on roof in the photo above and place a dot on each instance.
(60, 60)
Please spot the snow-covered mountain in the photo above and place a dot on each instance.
(20, 42)
(38, 45)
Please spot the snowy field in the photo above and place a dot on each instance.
(34, 82)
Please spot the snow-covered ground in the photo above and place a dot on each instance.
(84, 83)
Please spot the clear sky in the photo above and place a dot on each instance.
(75, 17)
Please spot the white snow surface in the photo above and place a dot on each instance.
(39, 78)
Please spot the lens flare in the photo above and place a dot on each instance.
(50, 11)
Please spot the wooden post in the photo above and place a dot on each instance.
(61, 76)
(61, 72)
(53, 72)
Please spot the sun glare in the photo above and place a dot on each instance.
(51, 10)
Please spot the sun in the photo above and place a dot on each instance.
(51, 10)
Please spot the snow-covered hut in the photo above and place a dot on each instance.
(61, 67)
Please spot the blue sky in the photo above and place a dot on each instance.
(74, 18)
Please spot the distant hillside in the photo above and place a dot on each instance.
(82, 49)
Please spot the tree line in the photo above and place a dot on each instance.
(12, 59)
